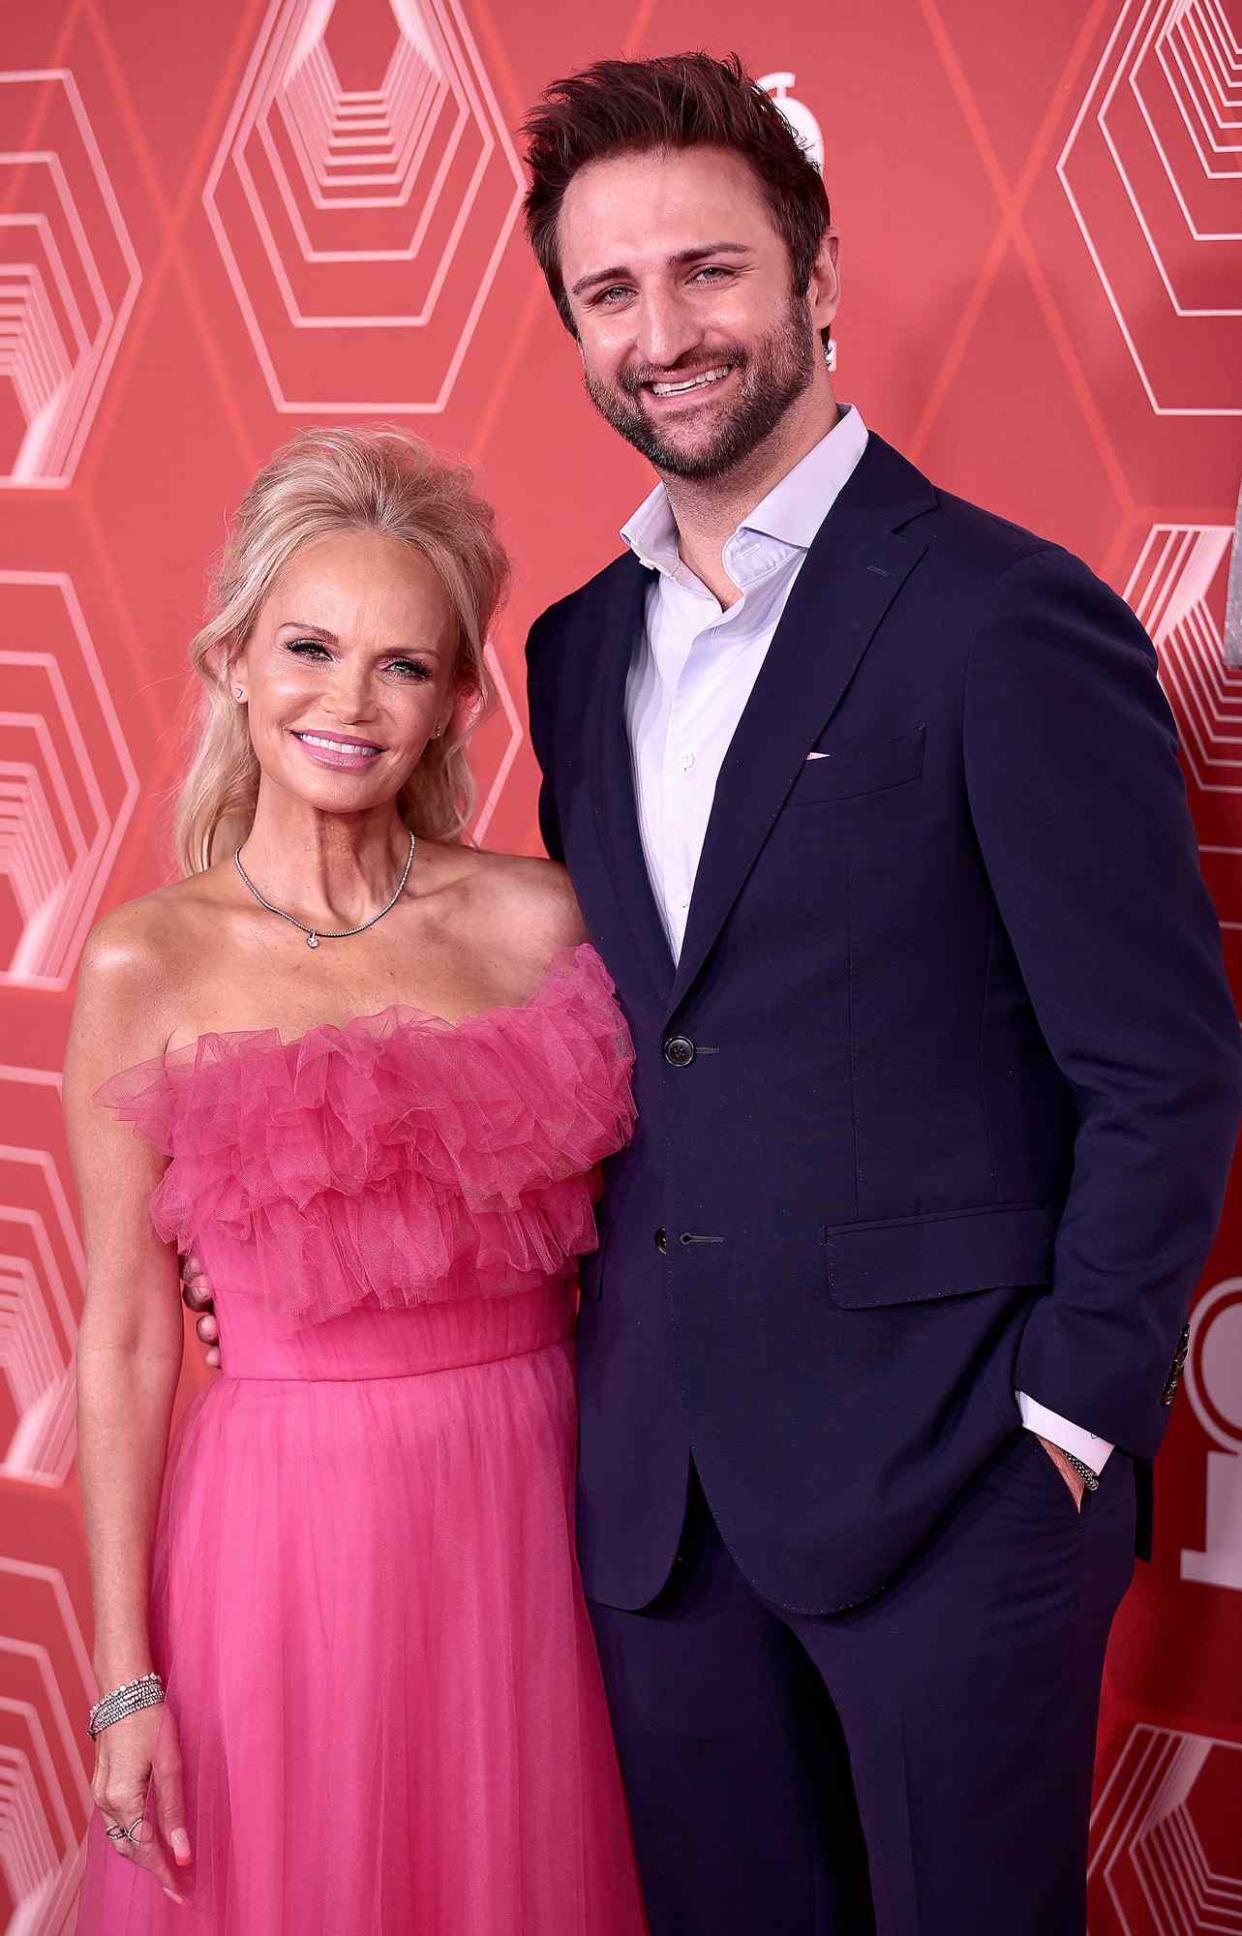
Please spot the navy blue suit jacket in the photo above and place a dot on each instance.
(957, 1078)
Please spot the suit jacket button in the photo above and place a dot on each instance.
(661, 1242)
(679, 1050)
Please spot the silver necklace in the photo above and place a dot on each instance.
(315, 935)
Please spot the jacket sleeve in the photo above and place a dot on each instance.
(541, 696)
(1081, 816)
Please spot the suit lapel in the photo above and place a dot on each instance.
(851, 574)
(637, 920)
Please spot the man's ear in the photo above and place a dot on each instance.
(824, 287)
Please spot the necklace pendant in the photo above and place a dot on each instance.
(312, 939)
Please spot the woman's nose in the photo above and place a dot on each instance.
(352, 694)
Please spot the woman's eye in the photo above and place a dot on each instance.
(314, 653)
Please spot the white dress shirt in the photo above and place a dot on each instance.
(689, 682)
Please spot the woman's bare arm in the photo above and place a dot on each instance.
(128, 1362)
(129, 1347)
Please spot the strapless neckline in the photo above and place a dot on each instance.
(396, 1157)
(578, 961)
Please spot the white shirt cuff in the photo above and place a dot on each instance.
(1084, 1445)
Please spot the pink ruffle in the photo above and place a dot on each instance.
(398, 1158)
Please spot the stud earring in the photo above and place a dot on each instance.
(239, 692)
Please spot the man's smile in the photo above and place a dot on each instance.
(680, 386)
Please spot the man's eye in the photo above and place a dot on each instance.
(712, 269)
(617, 289)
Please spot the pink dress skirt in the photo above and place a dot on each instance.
(365, 1600)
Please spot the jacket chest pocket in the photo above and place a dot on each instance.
(847, 771)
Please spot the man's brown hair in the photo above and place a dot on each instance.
(621, 107)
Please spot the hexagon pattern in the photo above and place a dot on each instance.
(44, 1786)
(40, 1285)
(1166, 1854)
(69, 277)
(67, 781)
(362, 228)
(1153, 171)
(1176, 588)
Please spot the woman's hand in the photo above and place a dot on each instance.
(137, 1785)
(196, 1296)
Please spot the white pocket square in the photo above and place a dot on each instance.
(819, 756)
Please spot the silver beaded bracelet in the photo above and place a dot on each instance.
(1090, 1479)
(124, 1701)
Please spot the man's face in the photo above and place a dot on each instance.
(694, 343)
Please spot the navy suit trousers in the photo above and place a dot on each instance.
(919, 1765)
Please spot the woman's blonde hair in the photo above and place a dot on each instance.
(323, 482)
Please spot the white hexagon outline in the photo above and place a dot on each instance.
(57, 1887)
(1212, 173)
(1149, 1803)
(41, 1451)
(1168, 591)
(95, 864)
(94, 372)
(400, 200)
(1125, 66)
(1182, 11)
(399, 173)
(263, 61)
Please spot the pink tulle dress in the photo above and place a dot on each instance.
(365, 1600)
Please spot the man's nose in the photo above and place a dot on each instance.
(667, 330)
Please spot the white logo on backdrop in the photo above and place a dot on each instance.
(798, 115)
(1214, 1382)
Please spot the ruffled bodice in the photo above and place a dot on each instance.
(397, 1159)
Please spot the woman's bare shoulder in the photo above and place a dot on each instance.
(142, 951)
(537, 897)
(523, 903)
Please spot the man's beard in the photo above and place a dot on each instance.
(772, 377)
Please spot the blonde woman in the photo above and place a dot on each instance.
(347, 1680)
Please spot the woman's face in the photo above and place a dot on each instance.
(350, 670)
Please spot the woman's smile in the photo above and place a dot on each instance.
(339, 750)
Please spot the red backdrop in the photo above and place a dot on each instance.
(218, 222)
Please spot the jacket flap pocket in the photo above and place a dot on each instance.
(838, 773)
(913, 1260)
